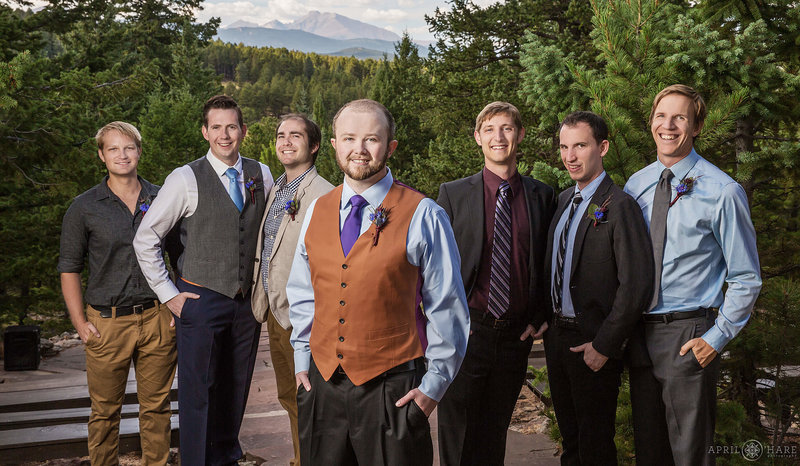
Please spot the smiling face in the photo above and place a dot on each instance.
(673, 128)
(224, 135)
(292, 147)
(120, 154)
(362, 146)
(581, 153)
(499, 138)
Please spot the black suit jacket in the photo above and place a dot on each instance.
(463, 201)
(611, 282)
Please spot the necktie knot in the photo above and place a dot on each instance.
(233, 188)
(352, 224)
(666, 175)
(232, 174)
(505, 190)
(577, 198)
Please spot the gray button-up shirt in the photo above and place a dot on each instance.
(99, 225)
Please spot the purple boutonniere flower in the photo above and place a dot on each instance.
(598, 213)
(379, 219)
(292, 207)
(144, 205)
(251, 185)
(684, 188)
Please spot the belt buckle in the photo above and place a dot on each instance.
(667, 317)
(137, 308)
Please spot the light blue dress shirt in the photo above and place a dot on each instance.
(431, 246)
(567, 308)
(710, 241)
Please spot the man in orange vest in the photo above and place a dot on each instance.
(372, 254)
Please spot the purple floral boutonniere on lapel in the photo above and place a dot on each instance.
(684, 188)
(292, 207)
(379, 219)
(252, 184)
(598, 213)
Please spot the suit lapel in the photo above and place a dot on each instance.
(586, 222)
(301, 190)
(477, 218)
(563, 201)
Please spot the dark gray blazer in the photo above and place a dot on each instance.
(463, 201)
(611, 282)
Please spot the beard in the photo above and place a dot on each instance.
(361, 172)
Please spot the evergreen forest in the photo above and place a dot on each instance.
(74, 65)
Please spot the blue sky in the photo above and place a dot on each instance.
(394, 15)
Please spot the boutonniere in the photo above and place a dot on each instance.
(144, 205)
(292, 207)
(684, 188)
(598, 213)
(252, 186)
(379, 219)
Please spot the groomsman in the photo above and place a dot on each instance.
(703, 239)
(372, 254)
(599, 260)
(297, 141)
(123, 322)
(500, 221)
(219, 200)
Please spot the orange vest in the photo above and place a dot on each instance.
(364, 304)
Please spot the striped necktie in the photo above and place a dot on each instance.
(558, 277)
(500, 277)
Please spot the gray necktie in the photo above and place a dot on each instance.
(658, 226)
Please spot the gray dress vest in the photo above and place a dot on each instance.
(220, 242)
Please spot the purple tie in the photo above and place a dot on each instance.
(352, 224)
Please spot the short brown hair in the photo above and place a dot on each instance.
(682, 89)
(361, 105)
(126, 129)
(312, 130)
(496, 108)
(224, 102)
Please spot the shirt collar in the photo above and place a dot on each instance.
(292, 186)
(680, 169)
(492, 181)
(588, 191)
(219, 166)
(374, 195)
(147, 189)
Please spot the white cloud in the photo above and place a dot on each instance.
(387, 16)
(282, 10)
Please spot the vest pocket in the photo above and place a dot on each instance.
(388, 332)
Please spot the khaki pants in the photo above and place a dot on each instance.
(282, 354)
(148, 341)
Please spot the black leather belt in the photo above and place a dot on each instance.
(667, 317)
(568, 323)
(106, 312)
(404, 367)
(484, 318)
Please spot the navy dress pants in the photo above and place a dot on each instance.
(217, 343)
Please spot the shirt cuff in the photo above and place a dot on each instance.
(716, 338)
(433, 386)
(302, 360)
(166, 291)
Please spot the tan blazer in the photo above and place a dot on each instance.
(312, 187)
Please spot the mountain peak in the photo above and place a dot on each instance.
(336, 26)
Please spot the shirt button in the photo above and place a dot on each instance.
(341, 303)
(340, 356)
(341, 338)
(344, 285)
(344, 266)
(341, 321)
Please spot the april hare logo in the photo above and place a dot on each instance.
(752, 450)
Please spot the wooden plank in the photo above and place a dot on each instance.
(63, 398)
(65, 441)
(24, 419)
